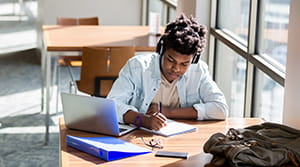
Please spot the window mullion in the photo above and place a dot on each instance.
(211, 46)
(251, 51)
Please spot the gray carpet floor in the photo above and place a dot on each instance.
(22, 124)
(22, 130)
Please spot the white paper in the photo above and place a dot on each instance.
(173, 128)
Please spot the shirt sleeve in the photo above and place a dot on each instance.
(122, 91)
(213, 106)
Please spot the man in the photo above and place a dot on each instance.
(170, 84)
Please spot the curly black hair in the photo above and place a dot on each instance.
(184, 35)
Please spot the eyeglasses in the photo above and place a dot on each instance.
(153, 143)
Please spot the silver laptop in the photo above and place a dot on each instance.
(92, 114)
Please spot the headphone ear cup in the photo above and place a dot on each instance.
(160, 46)
(196, 58)
(161, 49)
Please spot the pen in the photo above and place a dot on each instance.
(159, 107)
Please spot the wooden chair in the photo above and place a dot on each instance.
(101, 67)
(71, 60)
(88, 21)
(77, 21)
(66, 21)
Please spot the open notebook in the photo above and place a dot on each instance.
(173, 128)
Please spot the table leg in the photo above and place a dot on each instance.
(47, 107)
(43, 77)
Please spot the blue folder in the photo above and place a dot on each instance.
(106, 148)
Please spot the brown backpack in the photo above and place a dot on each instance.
(268, 144)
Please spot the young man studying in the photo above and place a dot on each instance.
(172, 83)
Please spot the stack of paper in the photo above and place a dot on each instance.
(106, 148)
(173, 128)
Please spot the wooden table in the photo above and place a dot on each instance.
(190, 142)
(74, 38)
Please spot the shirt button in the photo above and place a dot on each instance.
(146, 104)
(154, 89)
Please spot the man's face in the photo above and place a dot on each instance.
(174, 64)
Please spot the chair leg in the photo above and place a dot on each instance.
(54, 78)
(58, 86)
(72, 83)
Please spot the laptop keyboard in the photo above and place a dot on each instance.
(122, 129)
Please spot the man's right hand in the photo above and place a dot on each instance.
(153, 108)
(155, 121)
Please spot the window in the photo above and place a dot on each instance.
(268, 98)
(274, 19)
(236, 20)
(230, 76)
(250, 47)
(166, 9)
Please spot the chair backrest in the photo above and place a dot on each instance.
(88, 21)
(66, 21)
(77, 21)
(104, 63)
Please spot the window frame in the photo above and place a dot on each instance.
(253, 59)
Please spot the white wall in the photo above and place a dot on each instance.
(202, 14)
(188, 7)
(291, 112)
(110, 12)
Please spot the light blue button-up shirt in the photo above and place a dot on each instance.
(140, 78)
